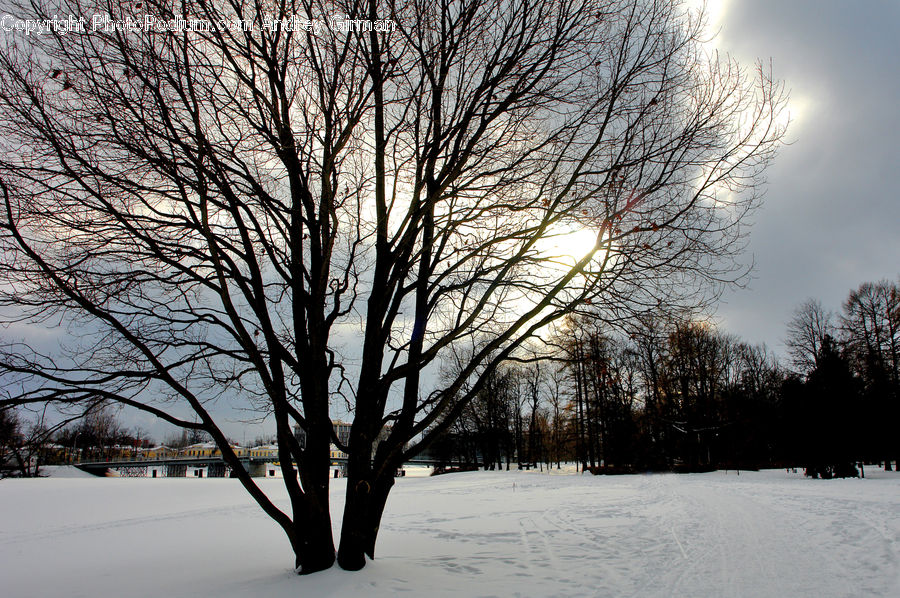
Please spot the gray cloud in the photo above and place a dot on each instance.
(831, 218)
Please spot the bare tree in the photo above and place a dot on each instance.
(23, 443)
(701, 364)
(759, 371)
(212, 209)
(533, 385)
(648, 338)
(558, 399)
(870, 327)
(17, 456)
(806, 332)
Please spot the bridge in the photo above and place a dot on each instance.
(211, 466)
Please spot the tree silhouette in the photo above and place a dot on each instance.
(833, 411)
(212, 212)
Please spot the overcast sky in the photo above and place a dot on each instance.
(831, 217)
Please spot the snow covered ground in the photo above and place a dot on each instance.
(475, 534)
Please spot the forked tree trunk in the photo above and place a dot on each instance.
(308, 525)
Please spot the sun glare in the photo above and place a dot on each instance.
(568, 243)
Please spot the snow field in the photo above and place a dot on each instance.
(486, 534)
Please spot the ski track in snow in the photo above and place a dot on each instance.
(476, 534)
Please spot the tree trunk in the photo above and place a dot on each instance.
(313, 539)
(314, 549)
(363, 509)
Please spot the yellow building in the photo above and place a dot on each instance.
(158, 452)
(266, 451)
(203, 449)
(336, 453)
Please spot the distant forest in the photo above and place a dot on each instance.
(676, 394)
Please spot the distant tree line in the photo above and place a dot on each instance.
(662, 393)
(27, 443)
(675, 393)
